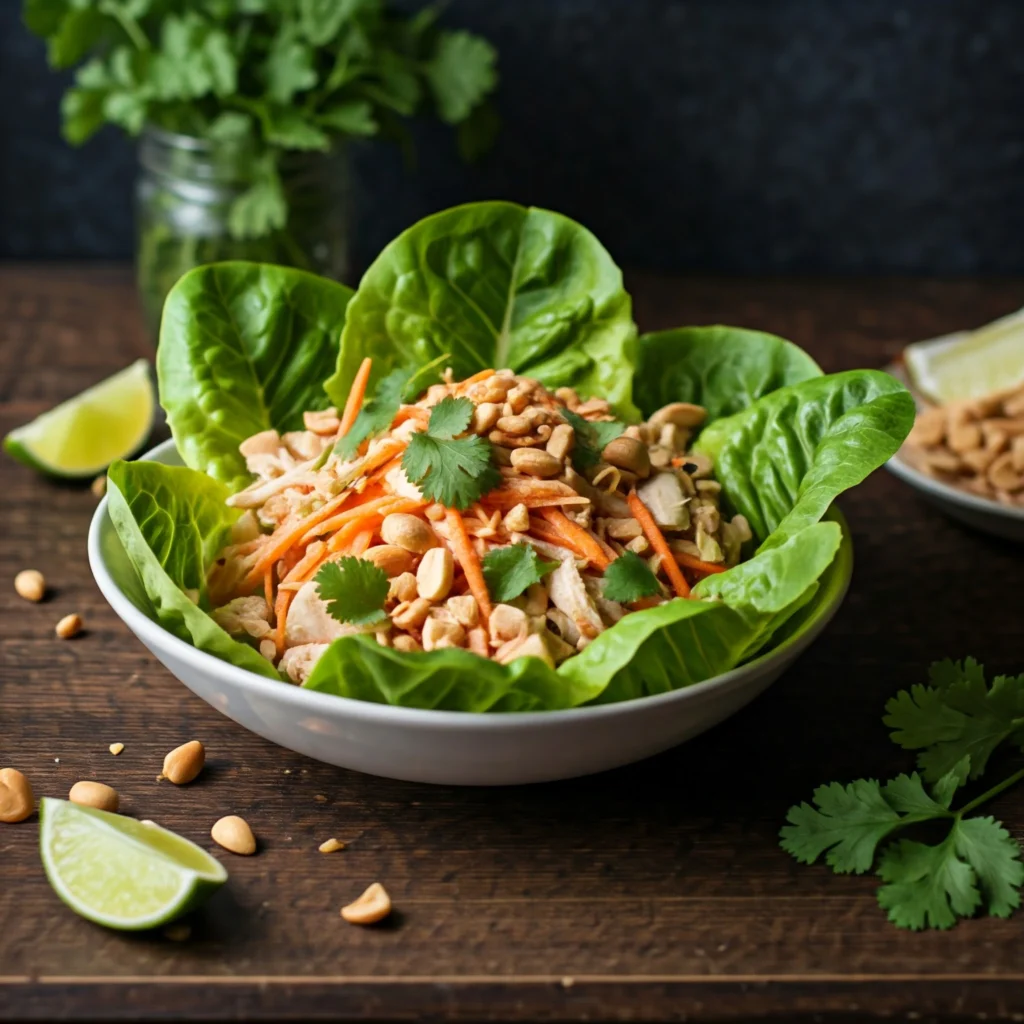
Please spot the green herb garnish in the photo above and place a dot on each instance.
(591, 438)
(456, 471)
(976, 863)
(355, 590)
(509, 571)
(629, 578)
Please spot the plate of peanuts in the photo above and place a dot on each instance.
(966, 456)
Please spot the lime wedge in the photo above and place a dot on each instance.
(85, 434)
(119, 872)
(972, 364)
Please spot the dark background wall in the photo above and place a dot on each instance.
(716, 135)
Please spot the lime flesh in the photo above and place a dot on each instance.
(972, 364)
(82, 436)
(119, 872)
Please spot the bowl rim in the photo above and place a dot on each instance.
(154, 636)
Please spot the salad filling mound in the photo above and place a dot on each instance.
(492, 515)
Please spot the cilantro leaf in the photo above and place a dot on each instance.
(957, 716)
(850, 821)
(927, 886)
(629, 578)
(591, 438)
(995, 856)
(450, 417)
(454, 471)
(509, 571)
(355, 590)
(461, 73)
(378, 412)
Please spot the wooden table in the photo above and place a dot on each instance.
(657, 891)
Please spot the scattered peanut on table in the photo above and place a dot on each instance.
(184, 763)
(94, 794)
(69, 626)
(30, 584)
(16, 799)
(234, 834)
(373, 906)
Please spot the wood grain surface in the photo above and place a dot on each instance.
(653, 892)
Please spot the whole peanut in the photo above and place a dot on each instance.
(30, 584)
(94, 794)
(234, 834)
(16, 799)
(184, 763)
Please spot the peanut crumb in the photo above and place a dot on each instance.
(320, 798)
(331, 846)
(116, 748)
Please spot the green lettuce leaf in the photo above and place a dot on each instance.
(244, 347)
(652, 651)
(172, 522)
(725, 369)
(495, 285)
(783, 460)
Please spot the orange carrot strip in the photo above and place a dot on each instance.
(660, 545)
(542, 531)
(315, 554)
(356, 512)
(362, 541)
(698, 564)
(379, 474)
(284, 600)
(268, 588)
(582, 539)
(411, 412)
(287, 534)
(466, 556)
(355, 396)
(343, 539)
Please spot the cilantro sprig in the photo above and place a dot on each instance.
(454, 470)
(973, 863)
(354, 589)
(509, 571)
(591, 438)
(268, 77)
(629, 578)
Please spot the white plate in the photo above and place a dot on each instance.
(451, 747)
(982, 513)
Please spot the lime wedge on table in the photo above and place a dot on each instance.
(85, 434)
(972, 364)
(120, 873)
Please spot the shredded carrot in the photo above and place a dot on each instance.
(355, 396)
(411, 412)
(542, 531)
(698, 564)
(379, 474)
(303, 568)
(582, 539)
(268, 587)
(344, 538)
(466, 556)
(284, 600)
(361, 542)
(660, 545)
(289, 533)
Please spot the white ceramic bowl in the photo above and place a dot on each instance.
(451, 747)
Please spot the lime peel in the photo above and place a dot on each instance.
(82, 436)
(119, 872)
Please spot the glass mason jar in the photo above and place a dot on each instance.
(185, 190)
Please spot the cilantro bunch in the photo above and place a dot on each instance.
(269, 75)
(957, 864)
